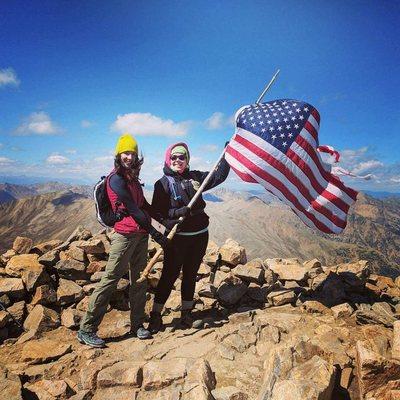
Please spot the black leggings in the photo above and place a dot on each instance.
(186, 253)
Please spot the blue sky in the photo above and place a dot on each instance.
(74, 75)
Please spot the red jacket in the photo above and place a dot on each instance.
(127, 224)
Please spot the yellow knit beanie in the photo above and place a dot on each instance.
(126, 142)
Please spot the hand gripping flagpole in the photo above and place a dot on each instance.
(172, 233)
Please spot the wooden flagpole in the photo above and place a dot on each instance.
(172, 233)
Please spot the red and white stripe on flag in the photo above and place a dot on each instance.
(296, 177)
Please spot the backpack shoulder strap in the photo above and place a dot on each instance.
(176, 189)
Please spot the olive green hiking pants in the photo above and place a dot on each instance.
(127, 251)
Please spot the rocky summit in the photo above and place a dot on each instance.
(273, 329)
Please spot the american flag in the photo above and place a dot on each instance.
(275, 145)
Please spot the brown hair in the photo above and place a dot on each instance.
(131, 174)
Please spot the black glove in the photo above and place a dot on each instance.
(161, 239)
(182, 212)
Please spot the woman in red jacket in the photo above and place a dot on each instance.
(128, 245)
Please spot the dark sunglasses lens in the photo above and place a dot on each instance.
(182, 158)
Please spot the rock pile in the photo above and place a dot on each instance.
(267, 329)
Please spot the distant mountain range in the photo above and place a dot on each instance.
(266, 227)
(10, 192)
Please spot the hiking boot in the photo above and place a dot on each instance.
(155, 323)
(141, 333)
(186, 321)
(91, 339)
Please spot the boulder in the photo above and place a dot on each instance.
(281, 297)
(313, 267)
(42, 319)
(18, 311)
(123, 373)
(45, 295)
(43, 350)
(92, 246)
(12, 287)
(50, 389)
(8, 254)
(22, 245)
(249, 273)
(315, 307)
(330, 290)
(103, 237)
(96, 266)
(212, 252)
(74, 253)
(319, 374)
(80, 233)
(96, 276)
(125, 393)
(205, 289)
(229, 293)
(115, 324)
(270, 278)
(232, 253)
(220, 277)
(396, 340)
(35, 277)
(342, 310)
(4, 318)
(160, 374)
(374, 372)
(199, 373)
(375, 316)
(68, 292)
(355, 273)
(81, 395)
(20, 263)
(71, 317)
(229, 393)
(5, 300)
(204, 269)
(174, 301)
(72, 270)
(287, 270)
(10, 387)
(50, 258)
(258, 293)
(45, 247)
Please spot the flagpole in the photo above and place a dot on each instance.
(268, 86)
(172, 233)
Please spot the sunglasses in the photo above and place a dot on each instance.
(181, 157)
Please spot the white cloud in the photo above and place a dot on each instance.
(8, 77)
(367, 166)
(104, 158)
(6, 161)
(146, 124)
(216, 121)
(38, 123)
(87, 124)
(57, 159)
(70, 151)
(219, 120)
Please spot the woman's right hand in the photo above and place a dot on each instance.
(182, 212)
